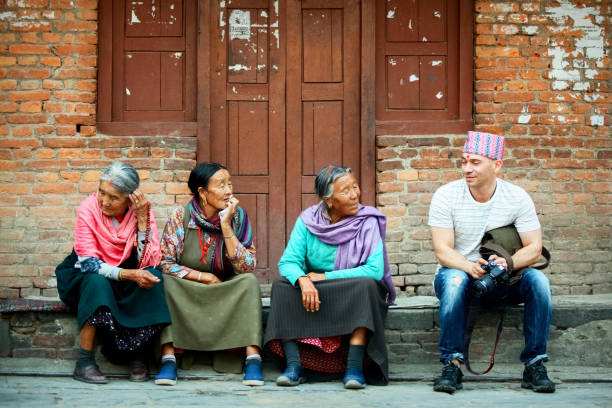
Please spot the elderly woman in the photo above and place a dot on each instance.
(109, 279)
(334, 289)
(209, 257)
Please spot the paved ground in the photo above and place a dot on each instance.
(25, 391)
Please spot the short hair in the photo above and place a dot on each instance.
(324, 182)
(122, 176)
(201, 174)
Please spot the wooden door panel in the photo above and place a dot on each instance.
(403, 82)
(323, 94)
(247, 130)
(150, 18)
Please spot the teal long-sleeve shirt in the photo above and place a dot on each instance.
(306, 253)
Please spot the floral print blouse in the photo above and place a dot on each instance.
(243, 261)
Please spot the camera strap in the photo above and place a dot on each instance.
(470, 323)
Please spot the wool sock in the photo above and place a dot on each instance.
(355, 357)
(292, 353)
(253, 357)
(168, 358)
(86, 357)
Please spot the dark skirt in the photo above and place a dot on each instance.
(346, 304)
(93, 297)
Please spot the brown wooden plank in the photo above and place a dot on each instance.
(419, 48)
(190, 85)
(317, 45)
(308, 183)
(153, 115)
(172, 81)
(142, 19)
(262, 224)
(172, 16)
(294, 113)
(233, 135)
(142, 81)
(182, 129)
(247, 92)
(309, 200)
(427, 127)
(277, 128)
(308, 138)
(432, 86)
(155, 44)
(251, 184)
(337, 17)
(351, 108)
(403, 80)
(218, 80)
(322, 91)
(432, 20)
(328, 135)
(452, 74)
(262, 46)
(367, 138)
(204, 79)
(105, 54)
(118, 100)
(401, 19)
(319, 4)
(243, 4)
(466, 52)
(252, 138)
(242, 52)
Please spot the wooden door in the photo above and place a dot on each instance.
(323, 94)
(247, 122)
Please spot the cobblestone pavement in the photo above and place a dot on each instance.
(25, 391)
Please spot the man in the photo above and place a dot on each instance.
(459, 215)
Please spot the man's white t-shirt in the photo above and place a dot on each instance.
(453, 206)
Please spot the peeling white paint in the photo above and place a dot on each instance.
(234, 90)
(581, 86)
(524, 119)
(436, 63)
(392, 62)
(530, 30)
(240, 25)
(134, 19)
(129, 56)
(401, 81)
(221, 19)
(592, 97)
(424, 39)
(275, 67)
(410, 24)
(590, 45)
(222, 4)
(277, 36)
(178, 55)
(391, 13)
(439, 95)
(413, 78)
(264, 13)
(436, 14)
(261, 67)
(238, 67)
(276, 7)
(127, 91)
(172, 7)
(559, 85)
(597, 120)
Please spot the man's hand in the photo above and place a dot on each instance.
(476, 270)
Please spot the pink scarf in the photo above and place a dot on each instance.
(96, 236)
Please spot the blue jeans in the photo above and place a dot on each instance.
(452, 287)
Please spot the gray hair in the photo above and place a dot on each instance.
(122, 176)
(324, 183)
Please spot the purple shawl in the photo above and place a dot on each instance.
(354, 237)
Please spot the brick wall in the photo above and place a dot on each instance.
(51, 155)
(542, 79)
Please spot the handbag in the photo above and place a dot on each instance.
(504, 242)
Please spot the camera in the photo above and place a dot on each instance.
(497, 276)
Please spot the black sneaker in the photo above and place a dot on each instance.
(450, 380)
(536, 378)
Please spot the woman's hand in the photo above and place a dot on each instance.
(140, 205)
(232, 204)
(142, 277)
(206, 278)
(315, 277)
(310, 294)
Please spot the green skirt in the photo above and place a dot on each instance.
(131, 305)
(220, 316)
